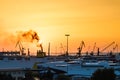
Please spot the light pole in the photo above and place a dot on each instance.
(67, 50)
(67, 44)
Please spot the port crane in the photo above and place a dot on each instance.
(40, 52)
(95, 47)
(107, 46)
(20, 47)
(82, 44)
(92, 52)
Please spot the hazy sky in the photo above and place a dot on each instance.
(88, 20)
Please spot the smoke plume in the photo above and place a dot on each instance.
(9, 41)
(28, 36)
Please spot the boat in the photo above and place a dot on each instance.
(94, 64)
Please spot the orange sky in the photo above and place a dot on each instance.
(88, 20)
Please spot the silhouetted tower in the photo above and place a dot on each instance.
(98, 51)
(49, 49)
(28, 52)
(67, 44)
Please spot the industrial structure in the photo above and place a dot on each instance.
(40, 52)
(82, 44)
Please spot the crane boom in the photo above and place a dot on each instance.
(107, 46)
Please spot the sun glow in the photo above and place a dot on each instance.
(40, 41)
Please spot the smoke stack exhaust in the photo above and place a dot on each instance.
(29, 36)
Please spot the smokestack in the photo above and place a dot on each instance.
(28, 52)
(49, 49)
(98, 51)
